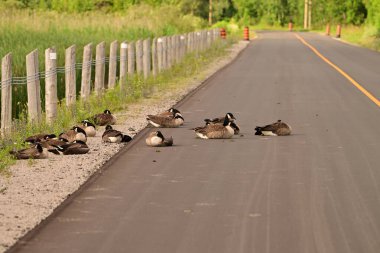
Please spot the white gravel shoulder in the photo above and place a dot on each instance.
(35, 188)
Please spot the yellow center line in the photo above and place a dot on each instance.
(349, 78)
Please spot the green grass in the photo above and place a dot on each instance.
(22, 31)
(114, 100)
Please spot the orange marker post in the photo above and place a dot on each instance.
(223, 33)
(290, 27)
(328, 29)
(246, 33)
(338, 31)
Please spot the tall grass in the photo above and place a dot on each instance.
(22, 31)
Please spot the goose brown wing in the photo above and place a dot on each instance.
(211, 128)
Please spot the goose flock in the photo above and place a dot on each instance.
(216, 128)
(73, 141)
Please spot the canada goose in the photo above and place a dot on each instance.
(216, 131)
(105, 118)
(170, 112)
(89, 128)
(220, 121)
(75, 133)
(35, 152)
(229, 115)
(114, 136)
(39, 137)
(75, 148)
(50, 144)
(275, 129)
(166, 121)
(157, 139)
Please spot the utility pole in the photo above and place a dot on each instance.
(210, 13)
(307, 15)
(309, 19)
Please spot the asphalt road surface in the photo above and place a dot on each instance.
(317, 190)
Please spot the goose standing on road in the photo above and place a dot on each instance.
(278, 128)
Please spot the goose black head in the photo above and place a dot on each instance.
(178, 116)
(80, 142)
(39, 147)
(79, 130)
(87, 123)
(107, 111)
(109, 127)
(63, 139)
(258, 131)
(50, 136)
(230, 116)
(159, 134)
(173, 110)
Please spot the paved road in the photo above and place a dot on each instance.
(315, 191)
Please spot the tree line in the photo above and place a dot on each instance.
(276, 12)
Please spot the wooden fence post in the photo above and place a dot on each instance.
(146, 57)
(159, 55)
(183, 46)
(100, 67)
(86, 72)
(154, 57)
(112, 66)
(189, 43)
(51, 98)
(123, 64)
(164, 52)
(70, 76)
(168, 52)
(177, 48)
(131, 58)
(33, 87)
(139, 57)
(6, 94)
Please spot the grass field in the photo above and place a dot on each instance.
(23, 31)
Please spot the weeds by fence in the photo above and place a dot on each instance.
(145, 59)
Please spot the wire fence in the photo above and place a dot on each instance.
(59, 70)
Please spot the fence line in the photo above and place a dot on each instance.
(144, 57)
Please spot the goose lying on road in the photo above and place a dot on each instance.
(216, 131)
(220, 120)
(175, 120)
(157, 139)
(278, 128)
